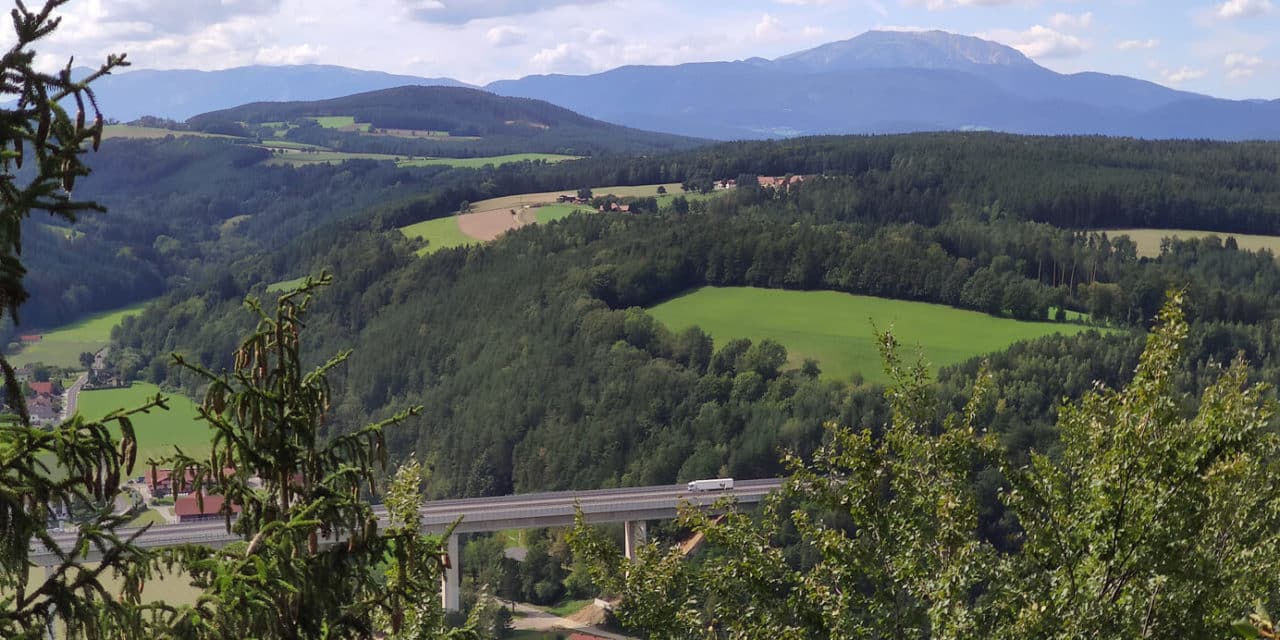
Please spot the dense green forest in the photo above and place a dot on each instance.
(538, 369)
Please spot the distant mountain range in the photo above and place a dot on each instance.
(180, 94)
(878, 82)
(892, 82)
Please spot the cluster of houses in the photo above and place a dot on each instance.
(570, 199)
(191, 502)
(46, 406)
(779, 182)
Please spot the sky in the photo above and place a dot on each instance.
(1225, 48)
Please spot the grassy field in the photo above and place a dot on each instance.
(1148, 240)
(63, 346)
(284, 285)
(568, 607)
(475, 163)
(836, 328)
(298, 157)
(340, 122)
(553, 212)
(440, 233)
(125, 131)
(289, 144)
(150, 516)
(159, 431)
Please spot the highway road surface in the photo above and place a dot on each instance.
(531, 510)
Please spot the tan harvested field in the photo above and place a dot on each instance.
(487, 225)
(1148, 240)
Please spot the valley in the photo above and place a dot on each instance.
(604, 349)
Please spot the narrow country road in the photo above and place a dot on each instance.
(535, 619)
(71, 395)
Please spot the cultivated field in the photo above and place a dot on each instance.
(126, 131)
(346, 123)
(475, 163)
(836, 328)
(62, 346)
(158, 431)
(1148, 240)
(491, 218)
(440, 233)
(301, 155)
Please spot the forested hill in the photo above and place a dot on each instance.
(447, 118)
(539, 369)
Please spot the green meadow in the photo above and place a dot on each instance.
(553, 212)
(62, 346)
(158, 431)
(297, 157)
(476, 163)
(339, 122)
(440, 233)
(1148, 240)
(836, 329)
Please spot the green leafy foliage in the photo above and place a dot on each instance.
(1156, 520)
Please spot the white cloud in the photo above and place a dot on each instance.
(804, 3)
(1242, 65)
(937, 5)
(1040, 42)
(298, 54)
(1072, 21)
(1182, 75)
(1129, 45)
(1243, 8)
(767, 26)
(505, 36)
(464, 11)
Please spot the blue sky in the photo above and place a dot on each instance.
(1221, 47)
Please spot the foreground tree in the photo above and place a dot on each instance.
(310, 565)
(1154, 521)
(78, 462)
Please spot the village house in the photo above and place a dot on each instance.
(42, 409)
(160, 482)
(48, 389)
(190, 508)
(614, 206)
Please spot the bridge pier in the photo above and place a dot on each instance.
(450, 580)
(637, 531)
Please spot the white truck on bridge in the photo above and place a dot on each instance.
(717, 484)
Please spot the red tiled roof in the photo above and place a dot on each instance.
(31, 337)
(42, 388)
(188, 506)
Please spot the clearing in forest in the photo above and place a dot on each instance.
(491, 218)
(1148, 240)
(62, 346)
(835, 328)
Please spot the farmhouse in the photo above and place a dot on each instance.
(188, 508)
(29, 338)
(160, 482)
(41, 409)
(46, 389)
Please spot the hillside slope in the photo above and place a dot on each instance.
(444, 121)
(178, 94)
